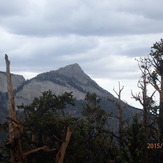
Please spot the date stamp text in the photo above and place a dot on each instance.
(154, 145)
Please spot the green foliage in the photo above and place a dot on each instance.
(92, 111)
(3, 106)
(134, 143)
(45, 123)
(136, 135)
(91, 138)
(48, 102)
(90, 145)
(4, 152)
(156, 52)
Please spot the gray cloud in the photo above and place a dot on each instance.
(85, 18)
(148, 9)
(49, 53)
(103, 36)
(12, 8)
(136, 52)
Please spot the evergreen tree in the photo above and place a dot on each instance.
(92, 111)
(99, 145)
(134, 142)
(45, 126)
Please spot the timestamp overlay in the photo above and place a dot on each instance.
(154, 145)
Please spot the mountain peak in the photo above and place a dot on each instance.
(73, 70)
(72, 67)
(75, 65)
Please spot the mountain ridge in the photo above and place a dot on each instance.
(73, 72)
(70, 78)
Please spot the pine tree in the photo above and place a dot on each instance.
(134, 142)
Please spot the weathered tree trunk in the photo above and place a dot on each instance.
(15, 129)
(120, 123)
(62, 150)
(145, 104)
(120, 119)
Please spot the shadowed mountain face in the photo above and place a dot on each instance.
(67, 79)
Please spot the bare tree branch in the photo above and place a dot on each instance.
(44, 148)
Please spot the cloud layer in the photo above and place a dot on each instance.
(82, 17)
(103, 36)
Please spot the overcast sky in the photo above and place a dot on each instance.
(103, 36)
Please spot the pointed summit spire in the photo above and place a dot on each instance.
(71, 70)
(74, 66)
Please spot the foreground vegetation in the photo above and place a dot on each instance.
(48, 132)
(46, 124)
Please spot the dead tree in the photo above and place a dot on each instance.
(154, 69)
(120, 109)
(149, 120)
(142, 97)
(15, 129)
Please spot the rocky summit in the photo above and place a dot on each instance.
(67, 79)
